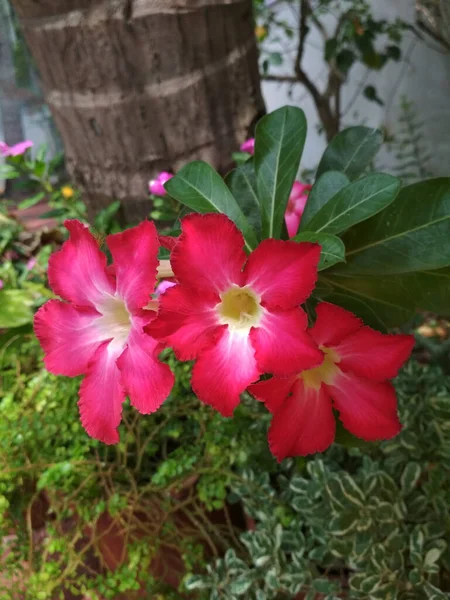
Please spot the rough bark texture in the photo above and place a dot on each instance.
(140, 86)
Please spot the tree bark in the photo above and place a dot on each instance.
(140, 86)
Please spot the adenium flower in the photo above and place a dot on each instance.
(31, 263)
(248, 146)
(1, 284)
(163, 287)
(238, 316)
(353, 379)
(296, 206)
(97, 331)
(156, 186)
(15, 150)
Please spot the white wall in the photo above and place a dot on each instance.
(423, 77)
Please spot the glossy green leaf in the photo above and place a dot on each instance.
(389, 301)
(327, 186)
(351, 151)
(198, 186)
(280, 137)
(355, 202)
(15, 308)
(333, 249)
(412, 234)
(242, 184)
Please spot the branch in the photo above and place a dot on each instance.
(280, 78)
(317, 22)
(300, 73)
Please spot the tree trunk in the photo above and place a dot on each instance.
(140, 86)
(10, 105)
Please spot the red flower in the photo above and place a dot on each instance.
(352, 378)
(98, 331)
(296, 206)
(238, 316)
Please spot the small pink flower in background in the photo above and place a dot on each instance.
(31, 263)
(248, 146)
(239, 316)
(163, 286)
(15, 150)
(1, 284)
(97, 331)
(156, 186)
(296, 206)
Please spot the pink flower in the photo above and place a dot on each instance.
(98, 330)
(163, 287)
(238, 316)
(248, 146)
(1, 284)
(352, 379)
(156, 186)
(296, 206)
(31, 263)
(15, 150)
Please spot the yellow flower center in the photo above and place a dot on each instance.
(325, 373)
(239, 308)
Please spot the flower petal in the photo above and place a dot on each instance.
(224, 370)
(368, 409)
(304, 423)
(273, 392)
(168, 241)
(283, 273)
(333, 324)
(186, 320)
(371, 354)
(77, 272)
(102, 394)
(135, 256)
(292, 220)
(282, 345)
(146, 379)
(209, 254)
(68, 336)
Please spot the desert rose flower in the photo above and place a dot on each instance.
(248, 146)
(353, 378)
(31, 263)
(1, 284)
(238, 316)
(15, 150)
(156, 186)
(296, 206)
(163, 287)
(98, 330)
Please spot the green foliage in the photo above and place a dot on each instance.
(351, 151)
(200, 188)
(279, 141)
(407, 146)
(376, 520)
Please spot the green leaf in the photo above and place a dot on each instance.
(333, 249)
(31, 201)
(242, 184)
(8, 172)
(355, 202)
(198, 186)
(351, 151)
(412, 234)
(325, 187)
(386, 302)
(410, 477)
(240, 585)
(280, 137)
(240, 157)
(371, 94)
(347, 439)
(15, 308)
(343, 524)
